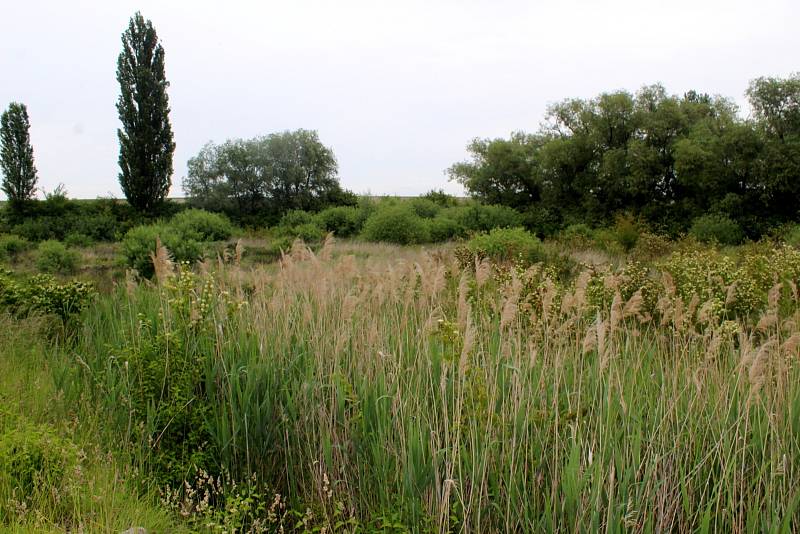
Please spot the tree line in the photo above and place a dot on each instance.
(266, 176)
(663, 158)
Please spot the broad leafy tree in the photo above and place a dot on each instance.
(776, 106)
(266, 175)
(16, 155)
(664, 158)
(502, 171)
(145, 140)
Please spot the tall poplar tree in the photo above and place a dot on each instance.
(16, 154)
(145, 140)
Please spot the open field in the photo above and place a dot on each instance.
(371, 387)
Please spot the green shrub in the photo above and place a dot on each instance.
(396, 224)
(481, 218)
(42, 294)
(54, 257)
(650, 246)
(38, 229)
(626, 231)
(425, 208)
(542, 221)
(577, 234)
(11, 246)
(716, 228)
(343, 221)
(442, 229)
(294, 218)
(441, 198)
(98, 227)
(140, 242)
(78, 240)
(40, 467)
(202, 225)
(308, 232)
(792, 236)
(508, 244)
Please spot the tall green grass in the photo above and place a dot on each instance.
(54, 477)
(405, 394)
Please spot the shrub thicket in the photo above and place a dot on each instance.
(717, 229)
(202, 225)
(508, 244)
(482, 218)
(396, 224)
(141, 242)
(54, 257)
(11, 246)
(343, 221)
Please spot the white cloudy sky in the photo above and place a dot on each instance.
(396, 88)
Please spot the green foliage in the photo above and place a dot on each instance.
(54, 257)
(145, 141)
(294, 218)
(443, 229)
(715, 228)
(101, 219)
(396, 224)
(666, 159)
(77, 240)
(482, 218)
(299, 224)
(266, 176)
(202, 225)
(792, 236)
(141, 242)
(626, 231)
(308, 232)
(41, 294)
(425, 208)
(343, 221)
(502, 171)
(439, 197)
(16, 155)
(41, 467)
(579, 234)
(651, 246)
(507, 245)
(11, 246)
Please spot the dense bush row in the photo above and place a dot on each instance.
(404, 222)
(84, 221)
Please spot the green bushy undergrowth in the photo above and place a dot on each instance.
(142, 241)
(39, 470)
(343, 221)
(184, 236)
(715, 228)
(202, 225)
(43, 294)
(397, 224)
(508, 244)
(11, 246)
(54, 257)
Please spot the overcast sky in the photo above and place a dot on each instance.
(396, 88)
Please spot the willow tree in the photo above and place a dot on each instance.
(145, 140)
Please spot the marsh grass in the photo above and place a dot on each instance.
(73, 485)
(391, 390)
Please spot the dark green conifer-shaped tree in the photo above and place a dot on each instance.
(16, 155)
(145, 139)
